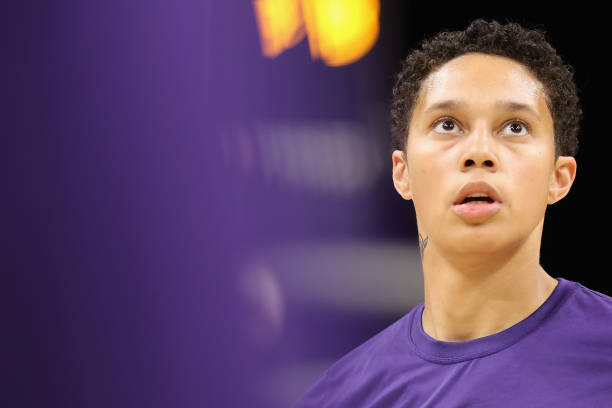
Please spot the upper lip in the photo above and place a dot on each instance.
(477, 187)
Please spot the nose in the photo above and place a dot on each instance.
(479, 150)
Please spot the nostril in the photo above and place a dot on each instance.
(488, 163)
(469, 162)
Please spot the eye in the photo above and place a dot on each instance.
(446, 125)
(516, 128)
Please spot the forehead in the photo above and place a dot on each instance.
(482, 80)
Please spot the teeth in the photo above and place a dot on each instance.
(478, 195)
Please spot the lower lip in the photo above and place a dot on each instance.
(480, 210)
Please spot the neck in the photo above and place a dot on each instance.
(468, 297)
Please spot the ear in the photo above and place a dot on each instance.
(562, 179)
(400, 174)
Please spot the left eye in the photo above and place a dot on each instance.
(516, 129)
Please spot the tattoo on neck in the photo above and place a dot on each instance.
(422, 244)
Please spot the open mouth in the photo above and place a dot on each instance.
(477, 200)
(477, 206)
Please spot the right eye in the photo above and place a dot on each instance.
(446, 125)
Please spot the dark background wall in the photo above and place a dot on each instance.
(187, 223)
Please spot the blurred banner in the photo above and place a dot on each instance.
(185, 212)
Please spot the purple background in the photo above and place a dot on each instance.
(156, 161)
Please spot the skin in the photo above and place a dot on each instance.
(481, 276)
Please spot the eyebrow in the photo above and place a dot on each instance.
(505, 105)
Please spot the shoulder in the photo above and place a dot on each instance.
(348, 376)
(588, 312)
(598, 295)
(585, 299)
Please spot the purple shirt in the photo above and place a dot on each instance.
(559, 356)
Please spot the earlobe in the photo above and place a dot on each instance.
(562, 179)
(400, 174)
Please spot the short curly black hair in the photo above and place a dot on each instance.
(526, 46)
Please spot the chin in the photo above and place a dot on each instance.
(482, 239)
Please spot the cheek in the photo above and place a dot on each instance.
(530, 188)
(428, 182)
(424, 169)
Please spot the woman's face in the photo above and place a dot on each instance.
(481, 118)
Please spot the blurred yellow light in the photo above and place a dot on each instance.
(280, 25)
(339, 31)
